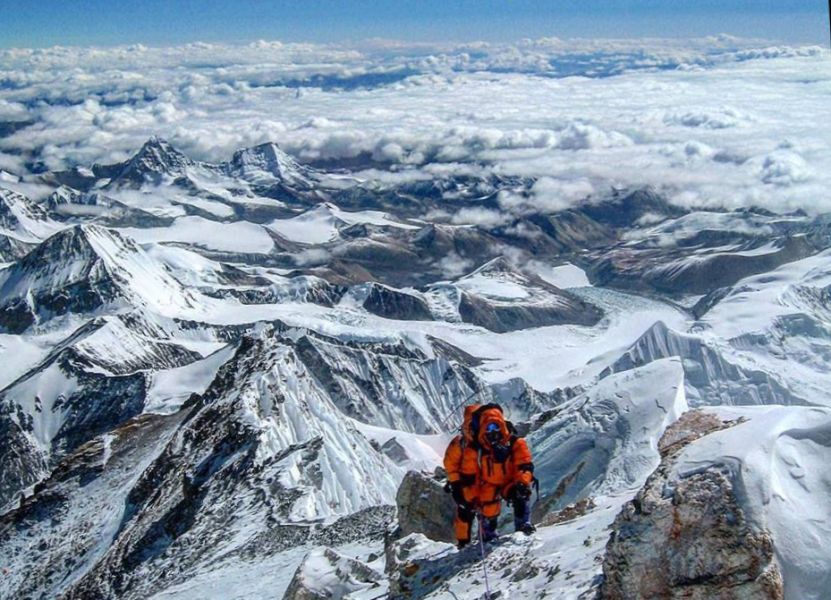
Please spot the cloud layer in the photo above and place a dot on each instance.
(712, 122)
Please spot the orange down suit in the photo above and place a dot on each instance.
(485, 479)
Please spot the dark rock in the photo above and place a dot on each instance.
(625, 209)
(395, 304)
(395, 451)
(424, 507)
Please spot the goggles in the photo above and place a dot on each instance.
(493, 431)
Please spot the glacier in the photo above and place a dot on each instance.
(216, 375)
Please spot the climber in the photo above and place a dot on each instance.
(486, 463)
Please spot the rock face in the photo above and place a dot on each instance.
(502, 317)
(362, 377)
(424, 507)
(392, 304)
(500, 298)
(690, 541)
(416, 567)
(327, 575)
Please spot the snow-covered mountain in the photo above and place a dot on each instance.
(215, 377)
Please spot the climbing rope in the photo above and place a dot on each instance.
(482, 547)
(453, 410)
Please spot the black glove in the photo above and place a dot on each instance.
(521, 491)
(457, 491)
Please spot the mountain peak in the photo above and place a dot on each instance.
(80, 269)
(500, 264)
(79, 242)
(18, 214)
(267, 162)
(155, 159)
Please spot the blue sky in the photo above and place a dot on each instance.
(24, 23)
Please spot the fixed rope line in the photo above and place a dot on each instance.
(482, 547)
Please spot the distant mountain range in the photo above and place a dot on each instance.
(215, 377)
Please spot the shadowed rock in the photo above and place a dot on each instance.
(424, 507)
(394, 304)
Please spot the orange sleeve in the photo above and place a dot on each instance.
(522, 462)
(453, 459)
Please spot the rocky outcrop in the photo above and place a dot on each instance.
(501, 318)
(417, 567)
(393, 450)
(499, 297)
(624, 209)
(688, 539)
(424, 507)
(327, 575)
(723, 269)
(394, 304)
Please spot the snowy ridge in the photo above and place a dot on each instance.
(267, 164)
(216, 375)
(606, 441)
(22, 219)
(84, 267)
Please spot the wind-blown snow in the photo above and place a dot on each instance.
(424, 452)
(609, 436)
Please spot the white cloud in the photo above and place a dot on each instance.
(711, 122)
(783, 168)
(547, 195)
(11, 164)
(311, 257)
(453, 265)
(483, 217)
